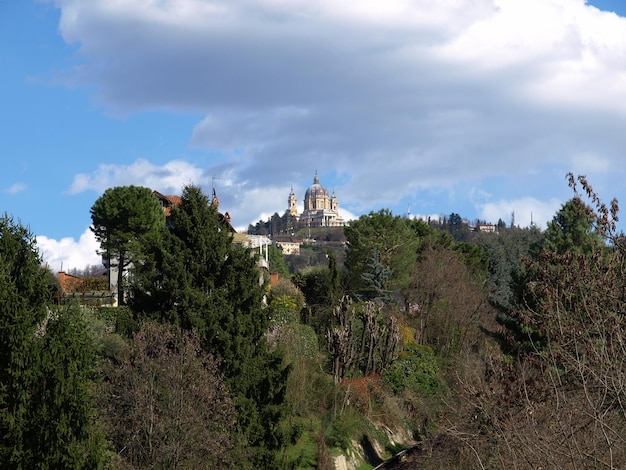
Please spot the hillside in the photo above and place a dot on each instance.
(398, 344)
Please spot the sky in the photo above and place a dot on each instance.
(423, 107)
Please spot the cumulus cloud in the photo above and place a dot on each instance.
(170, 177)
(68, 253)
(394, 97)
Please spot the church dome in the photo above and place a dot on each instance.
(316, 190)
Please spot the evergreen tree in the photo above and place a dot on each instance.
(393, 238)
(194, 276)
(457, 228)
(374, 280)
(23, 300)
(123, 219)
(572, 229)
(61, 420)
(566, 326)
(45, 363)
(506, 253)
(277, 261)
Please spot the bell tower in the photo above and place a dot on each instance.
(334, 203)
(292, 202)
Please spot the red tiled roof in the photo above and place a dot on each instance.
(168, 201)
(174, 200)
(68, 282)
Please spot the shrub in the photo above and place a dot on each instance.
(125, 324)
(416, 369)
(285, 288)
(342, 428)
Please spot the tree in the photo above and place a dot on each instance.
(383, 242)
(570, 239)
(277, 261)
(195, 277)
(23, 304)
(457, 228)
(46, 362)
(374, 280)
(447, 299)
(123, 219)
(168, 405)
(62, 431)
(560, 402)
(363, 343)
(505, 259)
(573, 229)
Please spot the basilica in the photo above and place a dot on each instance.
(320, 209)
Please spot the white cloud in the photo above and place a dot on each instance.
(346, 215)
(395, 97)
(523, 211)
(67, 253)
(16, 188)
(170, 177)
(247, 202)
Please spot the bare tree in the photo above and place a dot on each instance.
(559, 400)
(449, 301)
(377, 344)
(168, 406)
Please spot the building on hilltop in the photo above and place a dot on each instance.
(320, 209)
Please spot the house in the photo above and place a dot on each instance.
(289, 247)
(167, 202)
(487, 228)
(92, 291)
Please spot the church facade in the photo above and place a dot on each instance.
(320, 209)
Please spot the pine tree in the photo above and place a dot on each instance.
(395, 241)
(124, 218)
(572, 229)
(194, 276)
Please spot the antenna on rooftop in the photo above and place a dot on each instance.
(213, 192)
(213, 178)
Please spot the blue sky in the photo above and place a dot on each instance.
(478, 107)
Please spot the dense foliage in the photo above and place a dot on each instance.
(46, 366)
(194, 277)
(474, 350)
(167, 404)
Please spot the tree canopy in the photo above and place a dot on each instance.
(123, 218)
(382, 249)
(572, 229)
